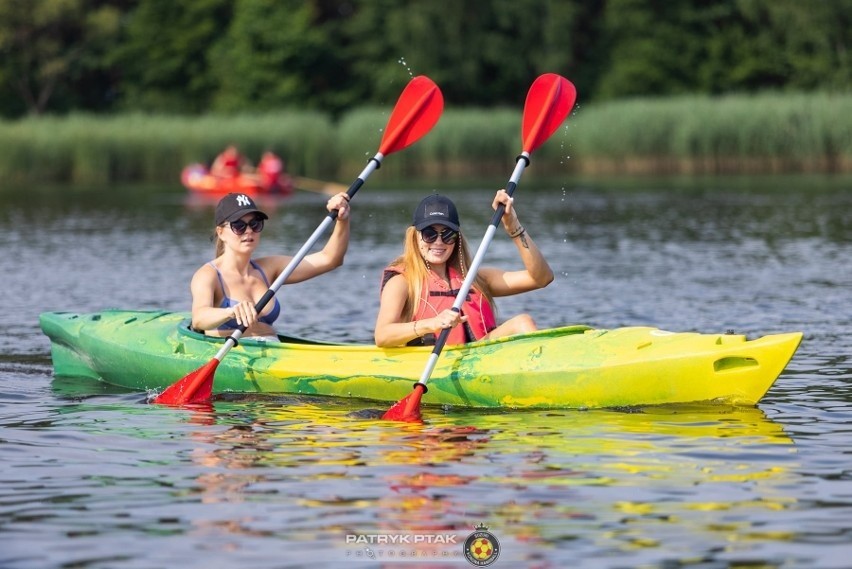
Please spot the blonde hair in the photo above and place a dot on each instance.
(416, 271)
(220, 245)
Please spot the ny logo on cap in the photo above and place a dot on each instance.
(243, 200)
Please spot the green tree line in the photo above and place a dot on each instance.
(232, 56)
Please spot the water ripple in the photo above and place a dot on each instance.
(91, 477)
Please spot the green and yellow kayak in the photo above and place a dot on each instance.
(568, 367)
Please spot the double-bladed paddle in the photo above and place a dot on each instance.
(549, 101)
(418, 109)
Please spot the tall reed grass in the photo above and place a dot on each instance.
(730, 134)
(465, 143)
(89, 149)
(691, 134)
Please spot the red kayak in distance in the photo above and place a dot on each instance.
(198, 179)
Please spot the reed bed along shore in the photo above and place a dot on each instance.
(766, 133)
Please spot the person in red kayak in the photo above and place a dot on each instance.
(229, 163)
(271, 175)
(270, 168)
(419, 287)
(226, 289)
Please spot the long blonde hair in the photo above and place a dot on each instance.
(220, 245)
(416, 271)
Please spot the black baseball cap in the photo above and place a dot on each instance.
(436, 210)
(234, 206)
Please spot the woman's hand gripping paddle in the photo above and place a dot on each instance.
(549, 101)
(418, 109)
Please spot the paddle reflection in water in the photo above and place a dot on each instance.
(549, 478)
(313, 471)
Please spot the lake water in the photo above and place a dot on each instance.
(92, 477)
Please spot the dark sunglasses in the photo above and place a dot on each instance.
(239, 226)
(430, 235)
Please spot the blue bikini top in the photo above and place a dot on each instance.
(228, 302)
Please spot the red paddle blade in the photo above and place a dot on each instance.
(406, 409)
(549, 101)
(195, 387)
(418, 109)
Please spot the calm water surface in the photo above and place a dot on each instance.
(91, 477)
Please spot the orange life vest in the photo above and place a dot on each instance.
(437, 296)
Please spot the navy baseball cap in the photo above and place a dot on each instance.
(234, 206)
(436, 210)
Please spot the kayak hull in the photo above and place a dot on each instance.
(567, 367)
(197, 179)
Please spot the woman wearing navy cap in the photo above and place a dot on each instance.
(420, 286)
(226, 289)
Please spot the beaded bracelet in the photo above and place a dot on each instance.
(414, 322)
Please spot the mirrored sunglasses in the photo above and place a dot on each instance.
(430, 235)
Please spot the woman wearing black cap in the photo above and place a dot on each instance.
(226, 289)
(420, 286)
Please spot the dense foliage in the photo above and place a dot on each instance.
(198, 56)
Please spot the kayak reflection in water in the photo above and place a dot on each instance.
(226, 289)
(420, 286)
